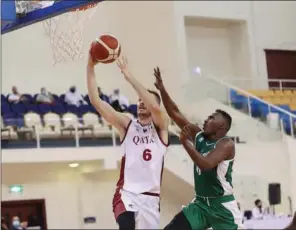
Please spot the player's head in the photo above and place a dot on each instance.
(218, 123)
(142, 109)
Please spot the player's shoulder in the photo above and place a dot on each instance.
(126, 119)
(226, 142)
(227, 147)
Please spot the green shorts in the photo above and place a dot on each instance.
(217, 213)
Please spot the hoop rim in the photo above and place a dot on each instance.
(84, 8)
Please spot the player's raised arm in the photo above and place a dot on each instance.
(117, 119)
(171, 107)
(223, 151)
(149, 99)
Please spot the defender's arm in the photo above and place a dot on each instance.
(223, 151)
(171, 107)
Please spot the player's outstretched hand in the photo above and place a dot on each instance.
(122, 64)
(91, 62)
(185, 133)
(158, 80)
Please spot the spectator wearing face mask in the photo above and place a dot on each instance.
(73, 97)
(16, 224)
(44, 97)
(258, 211)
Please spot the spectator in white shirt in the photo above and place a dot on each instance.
(119, 102)
(15, 96)
(44, 97)
(73, 97)
(258, 212)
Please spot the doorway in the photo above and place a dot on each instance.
(32, 211)
(281, 65)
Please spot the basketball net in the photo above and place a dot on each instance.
(65, 33)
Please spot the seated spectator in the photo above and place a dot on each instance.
(102, 95)
(119, 102)
(15, 96)
(73, 97)
(258, 212)
(16, 224)
(44, 97)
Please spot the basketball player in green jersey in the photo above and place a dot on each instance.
(213, 154)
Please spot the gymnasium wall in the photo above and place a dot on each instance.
(270, 25)
(292, 159)
(153, 33)
(256, 165)
(70, 196)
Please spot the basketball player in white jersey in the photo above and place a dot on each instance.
(144, 143)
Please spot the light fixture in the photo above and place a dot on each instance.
(73, 165)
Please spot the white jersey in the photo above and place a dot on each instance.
(143, 159)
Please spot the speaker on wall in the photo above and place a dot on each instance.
(274, 193)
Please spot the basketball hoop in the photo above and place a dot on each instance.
(66, 33)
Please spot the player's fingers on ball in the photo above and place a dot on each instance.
(125, 60)
(118, 64)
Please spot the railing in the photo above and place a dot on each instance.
(247, 83)
(220, 90)
(77, 134)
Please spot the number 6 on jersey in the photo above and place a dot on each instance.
(147, 156)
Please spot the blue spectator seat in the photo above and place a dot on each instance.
(29, 98)
(32, 108)
(44, 108)
(9, 119)
(71, 109)
(133, 109)
(58, 108)
(5, 108)
(18, 108)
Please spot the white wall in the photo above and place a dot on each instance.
(144, 29)
(292, 159)
(209, 46)
(70, 196)
(257, 164)
(269, 26)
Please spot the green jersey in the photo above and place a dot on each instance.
(214, 182)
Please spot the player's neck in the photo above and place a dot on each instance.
(143, 120)
(215, 137)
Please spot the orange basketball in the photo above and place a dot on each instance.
(105, 49)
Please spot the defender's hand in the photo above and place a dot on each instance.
(122, 63)
(158, 80)
(185, 133)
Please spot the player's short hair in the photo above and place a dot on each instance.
(226, 116)
(158, 98)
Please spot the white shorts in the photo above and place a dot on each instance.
(145, 206)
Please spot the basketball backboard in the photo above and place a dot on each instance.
(18, 14)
